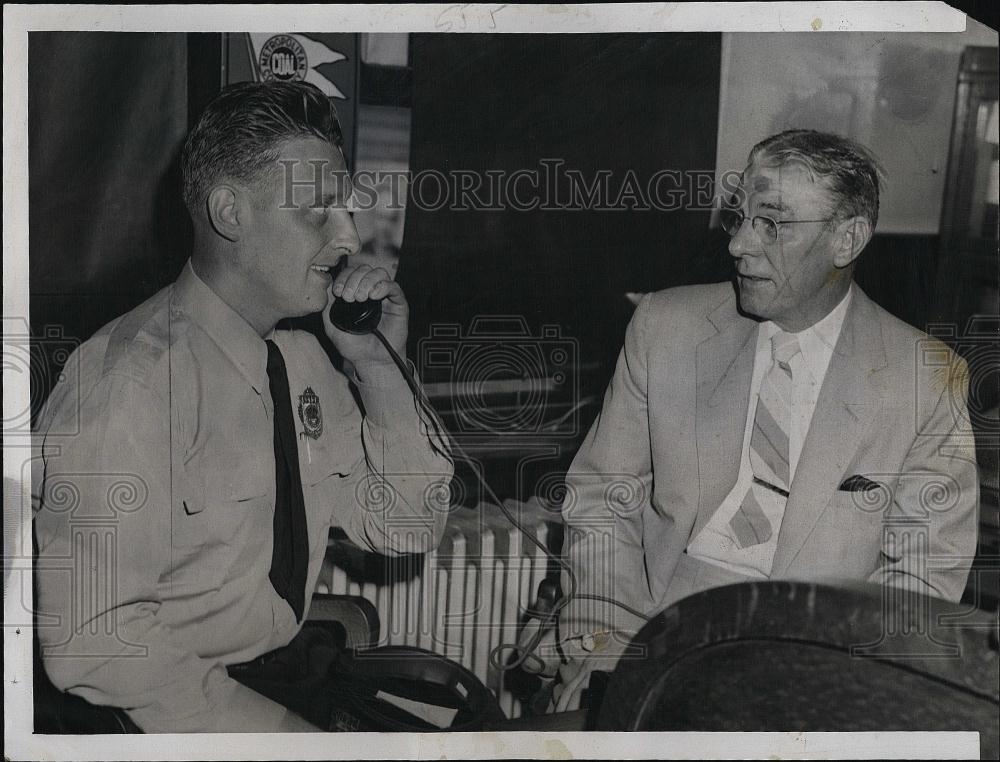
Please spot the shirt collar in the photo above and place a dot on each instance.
(816, 343)
(233, 335)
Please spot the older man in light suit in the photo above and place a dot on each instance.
(790, 429)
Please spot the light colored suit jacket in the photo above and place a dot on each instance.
(665, 451)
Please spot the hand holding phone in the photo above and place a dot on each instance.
(365, 308)
(358, 318)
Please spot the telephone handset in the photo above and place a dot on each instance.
(358, 318)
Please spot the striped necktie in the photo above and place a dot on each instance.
(754, 523)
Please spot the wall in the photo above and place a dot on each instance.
(107, 113)
(893, 92)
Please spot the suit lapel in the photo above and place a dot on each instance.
(725, 368)
(846, 407)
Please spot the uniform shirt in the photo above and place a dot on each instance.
(156, 509)
(715, 543)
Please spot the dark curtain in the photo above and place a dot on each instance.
(618, 102)
(107, 114)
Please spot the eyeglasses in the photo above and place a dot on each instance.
(732, 222)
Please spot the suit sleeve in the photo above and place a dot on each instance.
(607, 489)
(929, 538)
(103, 533)
(399, 502)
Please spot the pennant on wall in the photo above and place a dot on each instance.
(294, 57)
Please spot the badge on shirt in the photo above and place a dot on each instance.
(310, 413)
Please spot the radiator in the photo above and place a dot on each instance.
(461, 600)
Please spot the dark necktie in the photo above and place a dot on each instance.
(290, 557)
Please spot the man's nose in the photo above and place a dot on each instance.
(745, 241)
(345, 236)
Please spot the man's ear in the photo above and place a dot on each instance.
(852, 236)
(224, 212)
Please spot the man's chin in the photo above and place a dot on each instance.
(753, 299)
(315, 299)
(304, 310)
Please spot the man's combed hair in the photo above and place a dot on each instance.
(241, 132)
(848, 169)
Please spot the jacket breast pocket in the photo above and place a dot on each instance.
(851, 531)
(859, 511)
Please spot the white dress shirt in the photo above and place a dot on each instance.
(715, 543)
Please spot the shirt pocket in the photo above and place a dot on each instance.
(335, 454)
(329, 466)
(223, 519)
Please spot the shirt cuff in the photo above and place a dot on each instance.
(384, 392)
(381, 374)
